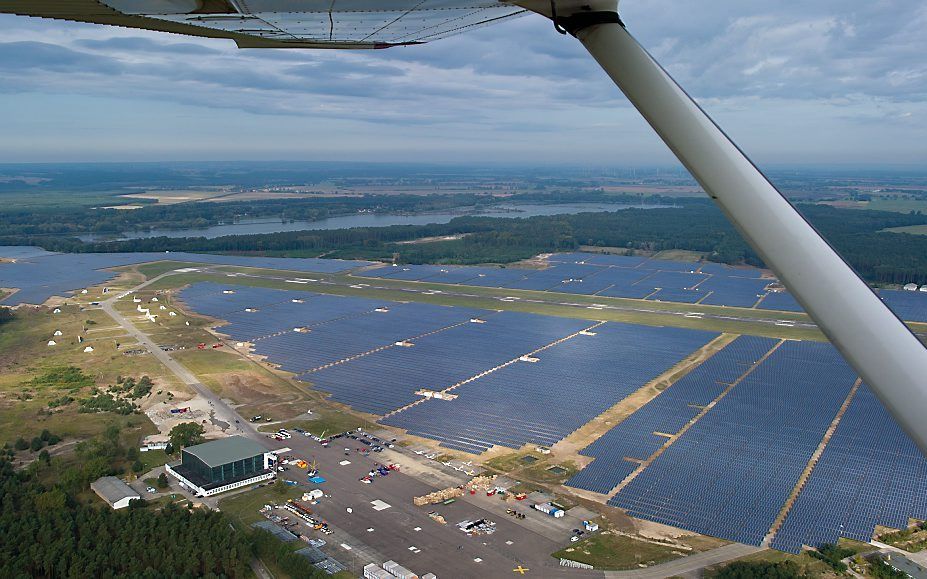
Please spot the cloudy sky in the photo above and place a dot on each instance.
(822, 82)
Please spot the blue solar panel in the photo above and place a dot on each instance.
(41, 275)
(782, 301)
(732, 291)
(667, 414)
(870, 474)
(388, 379)
(731, 472)
(908, 305)
(526, 402)
(727, 475)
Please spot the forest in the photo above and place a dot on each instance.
(53, 529)
(81, 220)
(694, 224)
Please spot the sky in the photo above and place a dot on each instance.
(793, 83)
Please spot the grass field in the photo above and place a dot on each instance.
(912, 229)
(244, 507)
(327, 422)
(608, 551)
(897, 205)
(24, 354)
(52, 199)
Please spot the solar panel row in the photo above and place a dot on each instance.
(731, 472)
(387, 380)
(543, 401)
(727, 475)
(634, 437)
(870, 474)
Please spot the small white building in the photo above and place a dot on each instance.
(910, 287)
(924, 288)
(374, 571)
(88, 349)
(114, 491)
(153, 446)
(52, 343)
(57, 332)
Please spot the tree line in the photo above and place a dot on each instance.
(49, 529)
(81, 220)
(694, 224)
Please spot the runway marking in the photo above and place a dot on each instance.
(520, 570)
(379, 505)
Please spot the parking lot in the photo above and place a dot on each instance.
(376, 522)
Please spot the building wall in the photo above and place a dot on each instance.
(228, 471)
(208, 493)
(123, 503)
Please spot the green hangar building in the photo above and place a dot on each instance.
(221, 465)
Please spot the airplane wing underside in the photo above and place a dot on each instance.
(283, 23)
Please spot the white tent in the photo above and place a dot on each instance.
(52, 343)
(88, 349)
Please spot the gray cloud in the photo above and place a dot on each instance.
(831, 67)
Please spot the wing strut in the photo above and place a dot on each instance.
(872, 339)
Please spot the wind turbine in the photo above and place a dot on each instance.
(872, 339)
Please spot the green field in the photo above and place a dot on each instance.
(56, 200)
(912, 229)
(608, 551)
(897, 205)
(244, 507)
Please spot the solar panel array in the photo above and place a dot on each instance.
(870, 473)
(634, 437)
(731, 472)
(542, 402)
(728, 472)
(40, 275)
(639, 278)
(387, 380)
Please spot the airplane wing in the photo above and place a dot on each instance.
(283, 23)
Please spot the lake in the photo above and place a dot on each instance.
(268, 225)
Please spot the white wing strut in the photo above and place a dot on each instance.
(872, 339)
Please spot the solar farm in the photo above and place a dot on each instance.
(643, 278)
(748, 445)
(39, 274)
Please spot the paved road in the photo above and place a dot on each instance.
(222, 411)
